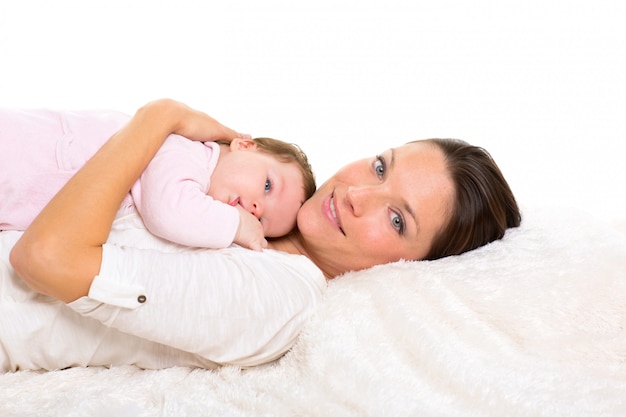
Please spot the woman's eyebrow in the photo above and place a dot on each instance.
(410, 211)
(406, 203)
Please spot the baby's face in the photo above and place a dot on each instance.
(272, 191)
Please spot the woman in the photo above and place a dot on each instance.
(422, 200)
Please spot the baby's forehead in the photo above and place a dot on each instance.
(300, 175)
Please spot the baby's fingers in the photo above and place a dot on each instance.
(259, 246)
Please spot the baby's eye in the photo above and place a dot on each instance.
(379, 166)
(397, 222)
(268, 185)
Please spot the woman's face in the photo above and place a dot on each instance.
(378, 210)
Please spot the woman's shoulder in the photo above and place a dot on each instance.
(283, 270)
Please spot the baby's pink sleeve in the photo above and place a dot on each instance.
(171, 197)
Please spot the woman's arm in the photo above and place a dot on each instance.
(61, 252)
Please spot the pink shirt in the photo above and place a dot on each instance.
(41, 149)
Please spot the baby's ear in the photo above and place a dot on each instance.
(241, 144)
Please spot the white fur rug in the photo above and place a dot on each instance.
(533, 325)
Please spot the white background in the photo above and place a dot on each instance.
(541, 83)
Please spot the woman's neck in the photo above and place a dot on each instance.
(293, 244)
(289, 243)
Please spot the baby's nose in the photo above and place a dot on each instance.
(256, 208)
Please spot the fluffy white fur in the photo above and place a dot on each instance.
(533, 325)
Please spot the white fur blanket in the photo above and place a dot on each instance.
(533, 325)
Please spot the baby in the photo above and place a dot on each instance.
(202, 194)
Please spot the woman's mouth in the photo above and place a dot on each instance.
(333, 213)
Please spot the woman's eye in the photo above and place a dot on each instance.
(379, 166)
(268, 185)
(397, 222)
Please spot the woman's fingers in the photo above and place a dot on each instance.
(196, 125)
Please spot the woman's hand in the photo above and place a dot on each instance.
(194, 124)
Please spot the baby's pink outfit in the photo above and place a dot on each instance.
(40, 150)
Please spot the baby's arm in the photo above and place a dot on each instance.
(172, 199)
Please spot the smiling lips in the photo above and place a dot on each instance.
(333, 212)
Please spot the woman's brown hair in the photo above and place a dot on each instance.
(484, 205)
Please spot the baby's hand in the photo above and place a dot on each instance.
(250, 232)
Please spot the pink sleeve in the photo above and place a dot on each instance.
(171, 196)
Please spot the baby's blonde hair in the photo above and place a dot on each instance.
(287, 153)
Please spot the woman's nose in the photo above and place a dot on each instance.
(359, 197)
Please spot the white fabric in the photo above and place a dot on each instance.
(533, 325)
(202, 307)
